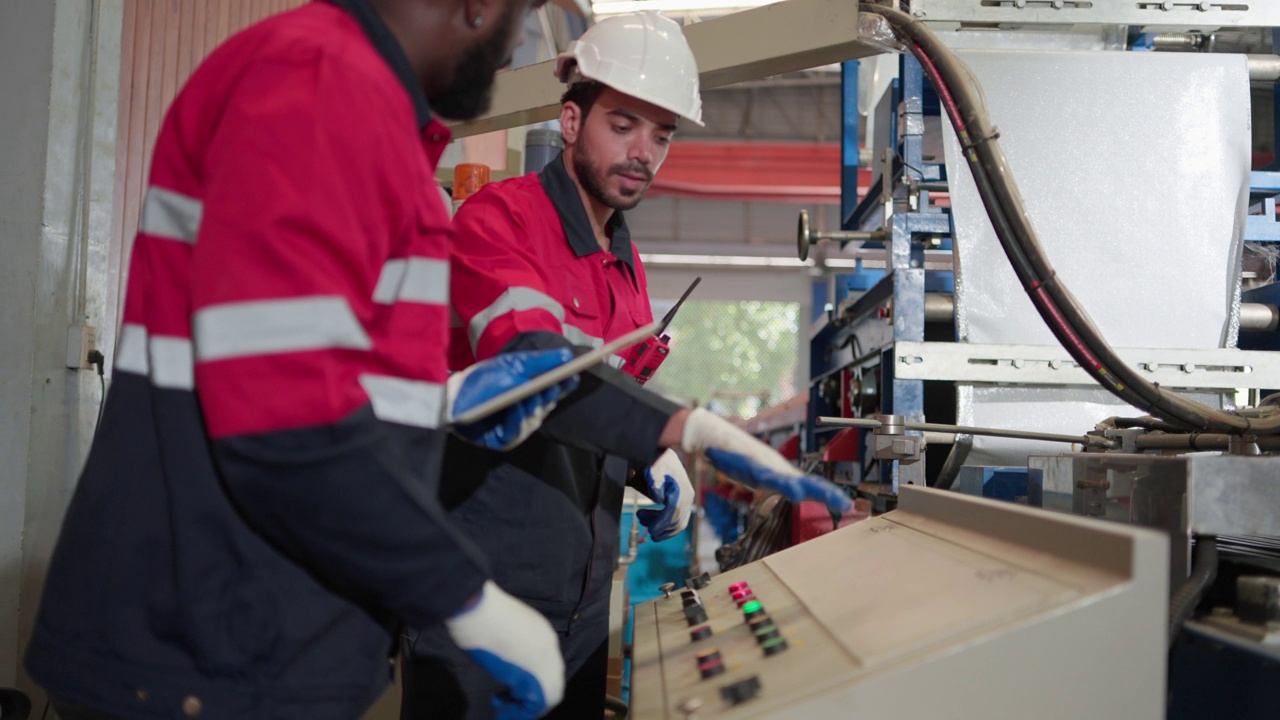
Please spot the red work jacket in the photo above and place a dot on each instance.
(526, 268)
(258, 507)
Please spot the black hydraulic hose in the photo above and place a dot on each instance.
(1059, 309)
(1192, 590)
(1009, 219)
(1146, 423)
(945, 71)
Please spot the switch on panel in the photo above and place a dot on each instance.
(741, 691)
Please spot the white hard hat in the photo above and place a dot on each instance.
(642, 54)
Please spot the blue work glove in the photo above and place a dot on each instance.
(517, 647)
(752, 463)
(667, 484)
(507, 428)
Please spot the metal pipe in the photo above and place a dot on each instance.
(940, 307)
(633, 543)
(1258, 317)
(1254, 317)
(871, 424)
(1200, 441)
(1264, 68)
(806, 237)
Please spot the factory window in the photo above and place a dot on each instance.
(734, 358)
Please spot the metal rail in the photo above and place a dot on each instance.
(872, 424)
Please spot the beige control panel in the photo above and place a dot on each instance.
(950, 605)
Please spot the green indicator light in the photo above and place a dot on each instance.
(751, 606)
(772, 642)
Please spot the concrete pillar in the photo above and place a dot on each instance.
(59, 80)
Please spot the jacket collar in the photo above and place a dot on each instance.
(389, 48)
(573, 216)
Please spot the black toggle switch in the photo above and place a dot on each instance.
(695, 614)
(741, 691)
(698, 582)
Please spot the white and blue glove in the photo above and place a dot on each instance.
(749, 461)
(517, 647)
(667, 484)
(507, 428)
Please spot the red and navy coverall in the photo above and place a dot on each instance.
(529, 273)
(259, 507)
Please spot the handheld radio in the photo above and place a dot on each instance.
(648, 355)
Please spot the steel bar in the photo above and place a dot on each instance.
(939, 307)
(1264, 68)
(1258, 317)
(1199, 441)
(872, 424)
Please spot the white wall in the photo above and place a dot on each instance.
(59, 77)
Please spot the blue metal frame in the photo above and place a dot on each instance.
(848, 137)
(1263, 186)
(906, 280)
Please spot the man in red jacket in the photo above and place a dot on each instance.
(545, 261)
(259, 513)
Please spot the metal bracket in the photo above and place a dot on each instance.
(1179, 15)
(1212, 369)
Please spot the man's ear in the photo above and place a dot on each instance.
(487, 11)
(570, 122)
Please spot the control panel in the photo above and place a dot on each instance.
(950, 605)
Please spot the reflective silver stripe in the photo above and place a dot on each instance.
(417, 280)
(131, 351)
(171, 364)
(389, 282)
(166, 360)
(171, 215)
(514, 299)
(266, 327)
(616, 361)
(427, 281)
(578, 337)
(407, 402)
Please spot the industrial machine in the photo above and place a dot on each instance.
(987, 333)
(1100, 359)
(949, 606)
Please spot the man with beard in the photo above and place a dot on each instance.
(258, 514)
(546, 261)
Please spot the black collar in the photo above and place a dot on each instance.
(389, 48)
(573, 216)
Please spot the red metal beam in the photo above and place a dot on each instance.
(754, 172)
